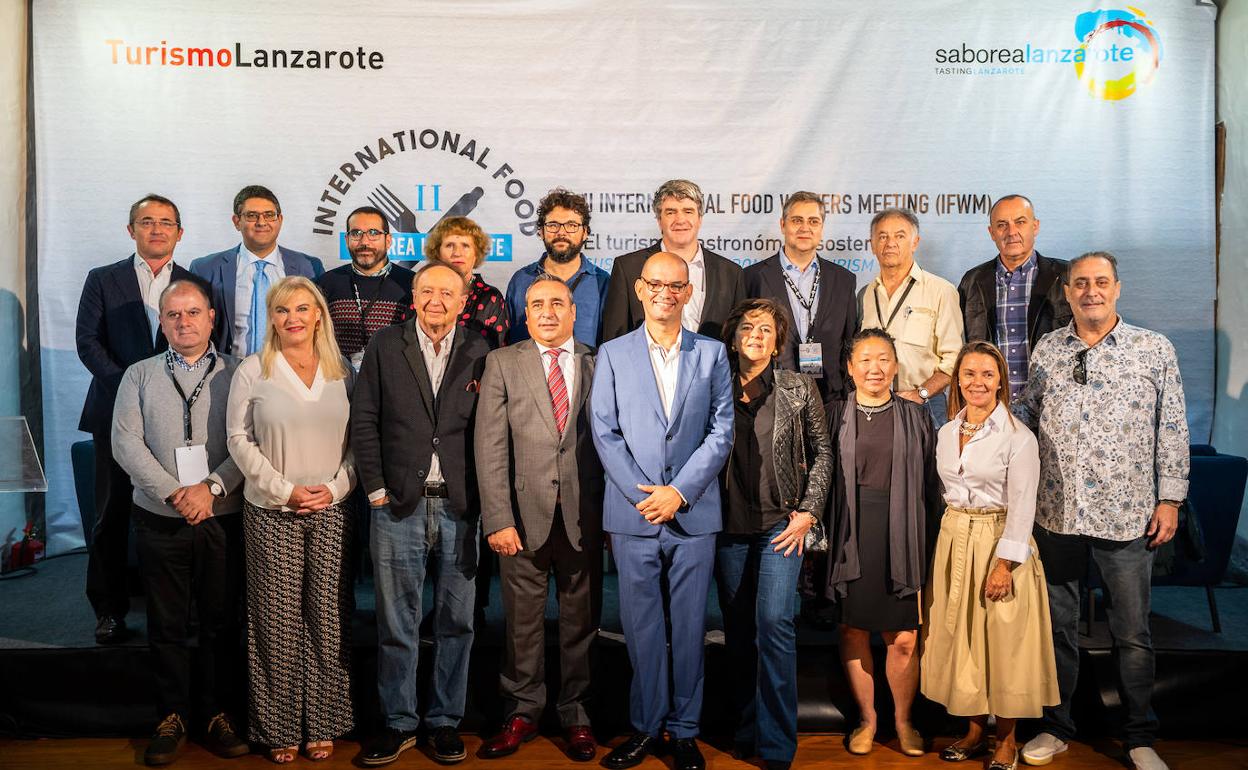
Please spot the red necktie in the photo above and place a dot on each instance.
(558, 390)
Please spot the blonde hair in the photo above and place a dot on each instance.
(323, 341)
(955, 401)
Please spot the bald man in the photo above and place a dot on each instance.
(662, 420)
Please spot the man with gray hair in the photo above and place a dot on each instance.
(1105, 400)
(169, 435)
(818, 294)
(919, 309)
(716, 283)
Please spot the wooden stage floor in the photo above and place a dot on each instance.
(814, 751)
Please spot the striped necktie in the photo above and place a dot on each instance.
(558, 390)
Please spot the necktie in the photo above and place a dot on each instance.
(558, 391)
(259, 308)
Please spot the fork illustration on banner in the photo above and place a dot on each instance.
(403, 220)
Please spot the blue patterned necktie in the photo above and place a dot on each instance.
(258, 322)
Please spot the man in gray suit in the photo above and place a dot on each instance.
(541, 504)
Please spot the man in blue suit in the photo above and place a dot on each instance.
(241, 276)
(662, 414)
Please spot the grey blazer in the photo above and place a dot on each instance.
(801, 444)
(523, 465)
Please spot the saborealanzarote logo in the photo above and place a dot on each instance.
(1102, 34)
(123, 52)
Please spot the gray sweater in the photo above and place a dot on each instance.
(148, 427)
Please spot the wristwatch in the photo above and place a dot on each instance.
(924, 394)
(216, 489)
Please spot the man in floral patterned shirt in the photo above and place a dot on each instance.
(1106, 401)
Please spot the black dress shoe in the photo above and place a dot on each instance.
(447, 746)
(109, 630)
(686, 755)
(631, 752)
(384, 748)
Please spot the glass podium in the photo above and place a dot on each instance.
(20, 469)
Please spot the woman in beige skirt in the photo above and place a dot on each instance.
(987, 643)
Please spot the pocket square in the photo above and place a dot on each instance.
(473, 386)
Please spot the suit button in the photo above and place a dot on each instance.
(669, 437)
(668, 469)
(436, 440)
(562, 450)
(421, 474)
(554, 482)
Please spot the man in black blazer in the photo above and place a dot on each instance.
(817, 295)
(233, 272)
(118, 325)
(411, 431)
(718, 283)
(1018, 272)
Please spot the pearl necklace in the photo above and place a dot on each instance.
(969, 429)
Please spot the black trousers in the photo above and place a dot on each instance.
(578, 584)
(107, 588)
(193, 571)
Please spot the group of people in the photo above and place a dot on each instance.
(952, 455)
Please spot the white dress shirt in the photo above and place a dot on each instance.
(691, 314)
(666, 364)
(998, 468)
(566, 365)
(150, 287)
(243, 277)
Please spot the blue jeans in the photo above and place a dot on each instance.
(401, 546)
(758, 598)
(1126, 571)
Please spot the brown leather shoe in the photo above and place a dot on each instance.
(581, 744)
(516, 731)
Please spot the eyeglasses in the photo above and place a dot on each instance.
(357, 235)
(147, 223)
(1081, 366)
(252, 217)
(797, 221)
(572, 228)
(657, 287)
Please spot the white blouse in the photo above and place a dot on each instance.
(998, 468)
(282, 433)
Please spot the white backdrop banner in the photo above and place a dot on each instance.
(1103, 115)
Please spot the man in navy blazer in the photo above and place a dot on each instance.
(118, 325)
(662, 421)
(233, 272)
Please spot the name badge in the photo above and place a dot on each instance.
(810, 358)
(192, 464)
(357, 360)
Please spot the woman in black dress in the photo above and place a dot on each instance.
(886, 494)
(462, 244)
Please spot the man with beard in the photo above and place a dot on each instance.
(369, 294)
(563, 222)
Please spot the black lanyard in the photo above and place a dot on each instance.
(188, 403)
(879, 314)
(571, 286)
(807, 304)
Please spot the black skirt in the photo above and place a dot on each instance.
(869, 601)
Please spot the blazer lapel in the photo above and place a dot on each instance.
(416, 360)
(290, 265)
(533, 372)
(642, 365)
(711, 270)
(584, 378)
(986, 283)
(227, 276)
(1046, 276)
(127, 286)
(777, 289)
(684, 375)
(823, 303)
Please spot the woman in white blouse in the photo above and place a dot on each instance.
(287, 424)
(987, 644)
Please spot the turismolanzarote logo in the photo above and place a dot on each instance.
(1116, 52)
(1121, 52)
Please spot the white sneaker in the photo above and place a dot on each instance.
(1041, 749)
(1144, 758)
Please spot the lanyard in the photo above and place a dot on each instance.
(807, 304)
(900, 301)
(188, 403)
(571, 286)
(364, 309)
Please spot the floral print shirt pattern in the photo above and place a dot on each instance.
(1110, 448)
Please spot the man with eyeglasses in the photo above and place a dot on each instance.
(662, 421)
(717, 284)
(241, 276)
(563, 223)
(818, 295)
(1105, 400)
(371, 292)
(118, 325)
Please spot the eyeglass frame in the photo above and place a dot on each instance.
(255, 217)
(675, 287)
(373, 234)
(147, 223)
(571, 228)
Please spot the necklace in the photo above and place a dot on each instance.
(871, 411)
(969, 429)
